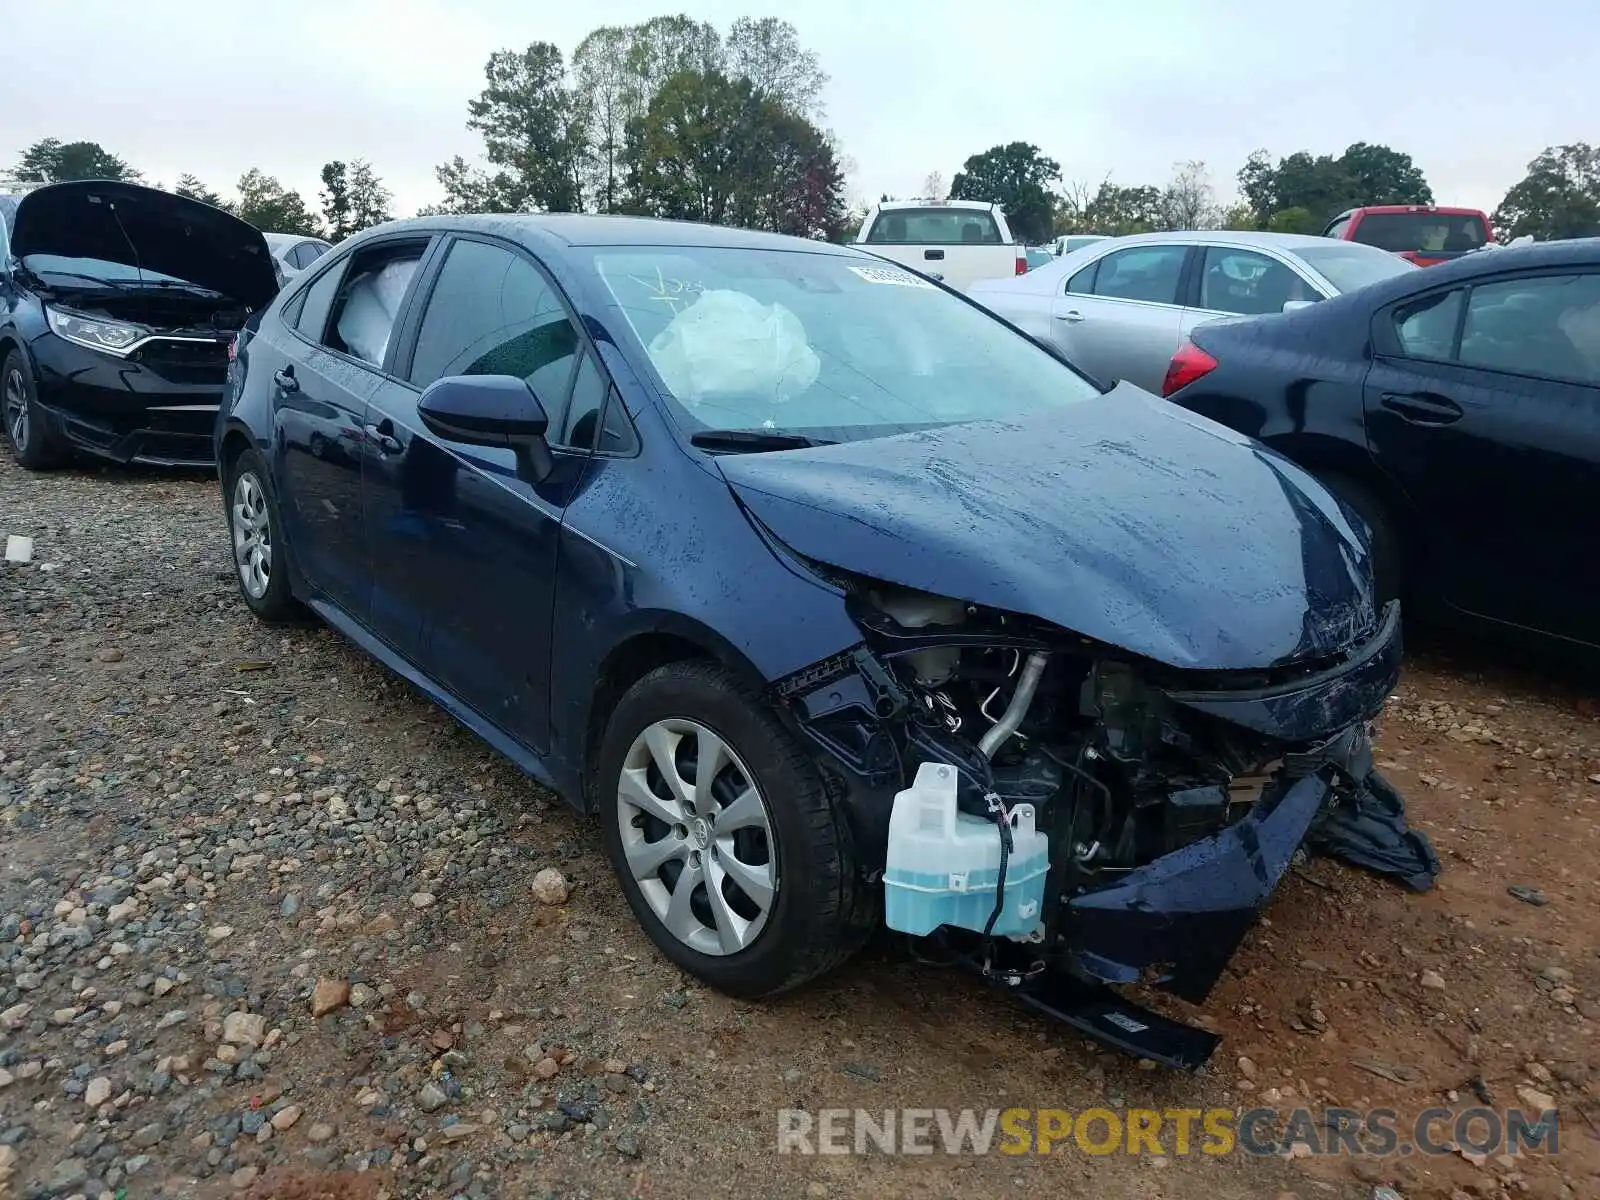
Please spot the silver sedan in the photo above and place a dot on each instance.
(1120, 308)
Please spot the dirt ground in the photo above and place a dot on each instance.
(203, 822)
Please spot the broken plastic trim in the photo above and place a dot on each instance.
(1187, 911)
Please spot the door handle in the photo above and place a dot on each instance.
(383, 438)
(285, 380)
(1071, 316)
(933, 255)
(1423, 408)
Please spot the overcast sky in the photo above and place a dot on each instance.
(1471, 90)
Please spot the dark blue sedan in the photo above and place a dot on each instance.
(724, 535)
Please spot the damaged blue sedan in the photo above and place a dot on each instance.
(842, 603)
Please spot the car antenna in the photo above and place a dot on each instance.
(132, 249)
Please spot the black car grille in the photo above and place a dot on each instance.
(185, 362)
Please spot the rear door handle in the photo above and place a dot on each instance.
(382, 436)
(1072, 316)
(1423, 408)
(934, 255)
(285, 380)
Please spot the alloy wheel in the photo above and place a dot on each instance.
(697, 836)
(252, 535)
(16, 409)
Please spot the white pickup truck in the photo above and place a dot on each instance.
(955, 241)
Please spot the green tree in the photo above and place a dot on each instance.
(1324, 185)
(1559, 197)
(1238, 216)
(53, 161)
(353, 198)
(190, 186)
(1296, 219)
(1017, 177)
(534, 127)
(715, 149)
(271, 207)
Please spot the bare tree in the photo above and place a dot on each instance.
(1189, 201)
(934, 186)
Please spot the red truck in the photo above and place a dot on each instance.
(1423, 233)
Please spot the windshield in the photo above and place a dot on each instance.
(1422, 232)
(114, 273)
(836, 347)
(934, 227)
(1350, 265)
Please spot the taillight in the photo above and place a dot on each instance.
(1022, 264)
(1188, 364)
(233, 347)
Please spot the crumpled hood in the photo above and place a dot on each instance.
(1123, 518)
(158, 231)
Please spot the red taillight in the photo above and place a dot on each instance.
(1022, 264)
(1188, 364)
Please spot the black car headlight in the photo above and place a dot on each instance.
(95, 333)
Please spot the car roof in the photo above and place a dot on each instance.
(1228, 237)
(968, 205)
(590, 229)
(1448, 210)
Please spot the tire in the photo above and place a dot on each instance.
(260, 556)
(1387, 561)
(21, 418)
(789, 834)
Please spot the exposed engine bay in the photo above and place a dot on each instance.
(1172, 802)
(174, 311)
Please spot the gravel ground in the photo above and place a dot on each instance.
(272, 926)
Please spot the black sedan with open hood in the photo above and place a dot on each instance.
(118, 305)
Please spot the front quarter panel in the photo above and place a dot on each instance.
(657, 544)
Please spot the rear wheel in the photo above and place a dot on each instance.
(23, 422)
(1387, 566)
(728, 847)
(259, 556)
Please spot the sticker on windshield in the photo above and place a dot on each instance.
(890, 276)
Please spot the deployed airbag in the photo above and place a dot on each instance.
(729, 344)
(370, 310)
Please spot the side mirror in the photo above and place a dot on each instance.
(491, 410)
(1297, 305)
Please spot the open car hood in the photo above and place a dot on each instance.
(147, 228)
(1125, 519)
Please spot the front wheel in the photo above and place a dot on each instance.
(719, 827)
(23, 423)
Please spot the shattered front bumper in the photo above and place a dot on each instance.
(1176, 922)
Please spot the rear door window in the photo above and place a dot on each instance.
(367, 303)
(934, 227)
(1148, 273)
